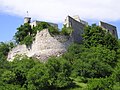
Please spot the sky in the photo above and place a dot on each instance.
(12, 13)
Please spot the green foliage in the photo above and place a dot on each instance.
(59, 71)
(100, 84)
(116, 86)
(73, 52)
(42, 25)
(38, 77)
(22, 32)
(8, 77)
(116, 72)
(23, 64)
(45, 25)
(93, 65)
(95, 35)
(91, 62)
(27, 40)
(20, 69)
(30, 74)
(4, 48)
(66, 30)
(25, 34)
(10, 87)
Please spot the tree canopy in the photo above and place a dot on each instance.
(25, 33)
(91, 65)
(95, 35)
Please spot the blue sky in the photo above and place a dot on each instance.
(12, 13)
(8, 25)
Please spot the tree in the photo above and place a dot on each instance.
(25, 34)
(59, 73)
(22, 32)
(110, 42)
(66, 30)
(27, 40)
(116, 73)
(45, 25)
(95, 35)
(100, 84)
(20, 68)
(38, 78)
(8, 77)
(91, 62)
(4, 48)
(10, 87)
(73, 52)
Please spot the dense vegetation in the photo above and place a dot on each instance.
(66, 30)
(25, 33)
(92, 65)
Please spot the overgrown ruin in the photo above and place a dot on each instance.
(46, 45)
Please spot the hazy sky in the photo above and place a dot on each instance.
(12, 12)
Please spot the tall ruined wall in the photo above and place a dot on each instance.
(43, 47)
(78, 29)
(110, 28)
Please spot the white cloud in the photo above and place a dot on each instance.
(57, 10)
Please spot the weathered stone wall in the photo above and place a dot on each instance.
(20, 49)
(110, 28)
(43, 47)
(78, 29)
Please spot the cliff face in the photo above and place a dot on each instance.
(43, 47)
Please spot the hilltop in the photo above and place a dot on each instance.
(34, 41)
(89, 64)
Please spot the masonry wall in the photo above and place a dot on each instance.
(110, 28)
(78, 29)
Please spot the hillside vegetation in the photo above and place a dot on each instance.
(26, 34)
(92, 65)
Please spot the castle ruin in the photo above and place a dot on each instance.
(36, 22)
(109, 28)
(78, 27)
(46, 45)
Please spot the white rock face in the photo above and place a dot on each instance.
(43, 47)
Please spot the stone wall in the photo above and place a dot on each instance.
(110, 28)
(78, 29)
(43, 47)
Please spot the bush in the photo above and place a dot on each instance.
(45, 25)
(59, 73)
(27, 40)
(66, 30)
(100, 84)
(91, 62)
(38, 78)
(8, 77)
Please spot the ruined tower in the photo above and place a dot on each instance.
(78, 27)
(109, 28)
(27, 20)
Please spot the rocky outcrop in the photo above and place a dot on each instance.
(43, 47)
